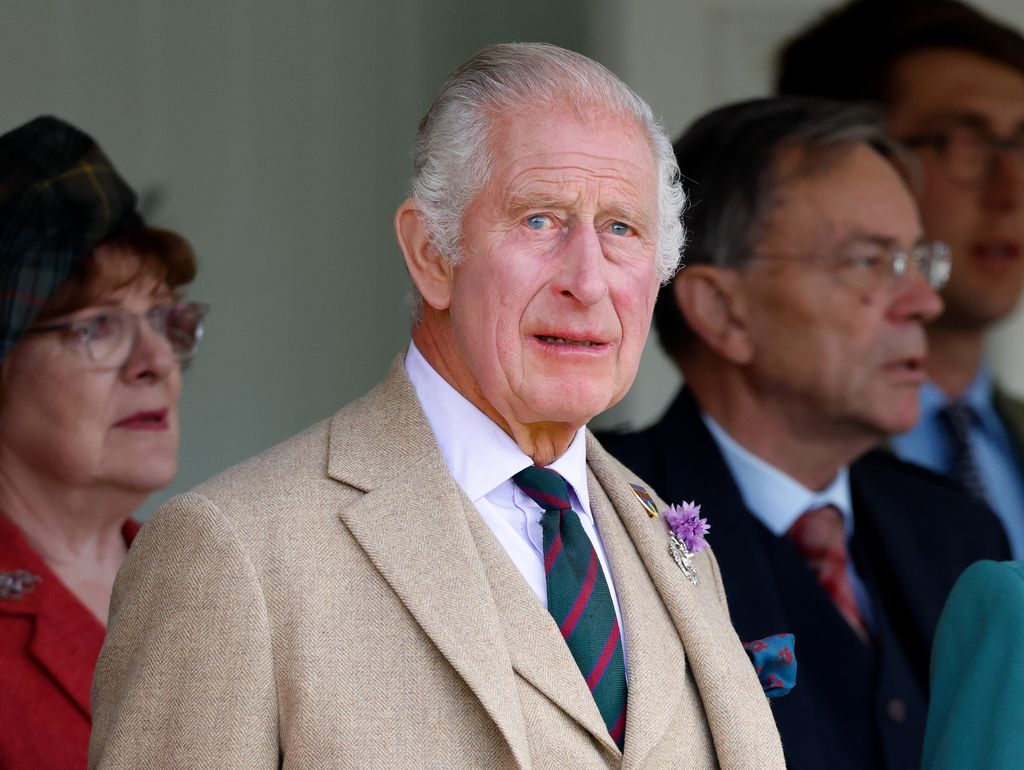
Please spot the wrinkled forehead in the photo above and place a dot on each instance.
(609, 146)
(845, 192)
(544, 126)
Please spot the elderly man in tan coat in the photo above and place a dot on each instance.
(451, 572)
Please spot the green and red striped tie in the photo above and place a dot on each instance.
(578, 596)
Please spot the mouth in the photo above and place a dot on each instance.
(150, 419)
(581, 343)
(911, 368)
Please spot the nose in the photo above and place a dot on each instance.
(1002, 186)
(915, 299)
(582, 266)
(151, 357)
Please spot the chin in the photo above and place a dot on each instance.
(149, 477)
(576, 410)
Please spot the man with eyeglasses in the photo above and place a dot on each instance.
(951, 81)
(798, 324)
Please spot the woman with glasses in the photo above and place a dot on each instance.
(94, 334)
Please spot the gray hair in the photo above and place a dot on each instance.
(730, 158)
(452, 159)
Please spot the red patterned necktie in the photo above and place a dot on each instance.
(578, 597)
(819, 536)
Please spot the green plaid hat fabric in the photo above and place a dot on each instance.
(59, 197)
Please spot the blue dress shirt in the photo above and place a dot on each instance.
(928, 444)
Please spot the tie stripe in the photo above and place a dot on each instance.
(606, 656)
(552, 553)
(618, 730)
(578, 597)
(582, 599)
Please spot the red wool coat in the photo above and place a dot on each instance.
(49, 643)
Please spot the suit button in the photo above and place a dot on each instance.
(896, 710)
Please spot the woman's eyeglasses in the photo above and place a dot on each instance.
(110, 336)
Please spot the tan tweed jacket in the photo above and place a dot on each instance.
(337, 602)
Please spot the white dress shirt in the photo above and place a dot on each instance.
(482, 459)
(777, 500)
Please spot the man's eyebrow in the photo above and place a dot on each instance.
(523, 201)
(874, 239)
(629, 213)
(970, 119)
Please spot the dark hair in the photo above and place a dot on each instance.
(729, 162)
(849, 53)
(161, 255)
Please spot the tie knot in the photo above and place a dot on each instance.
(818, 531)
(960, 416)
(545, 487)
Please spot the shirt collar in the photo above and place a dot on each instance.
(479, 454)
(774, 497)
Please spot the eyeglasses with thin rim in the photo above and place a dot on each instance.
(968, 154)
(878, 268)
(109, 337)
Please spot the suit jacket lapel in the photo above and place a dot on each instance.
(411, 526)
(654, 663)
(538, 652)
(738, 714)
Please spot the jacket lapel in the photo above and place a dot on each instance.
(66, 638)
(538, 652)
(655, 662)
(738, 714)
(410, 525)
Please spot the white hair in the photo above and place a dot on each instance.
(452, 159)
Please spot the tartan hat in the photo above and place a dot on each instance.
(59, 197)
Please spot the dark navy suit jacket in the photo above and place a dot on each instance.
(854, 705)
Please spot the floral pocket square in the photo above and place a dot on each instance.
(774, 663)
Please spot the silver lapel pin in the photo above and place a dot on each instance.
(17, 584)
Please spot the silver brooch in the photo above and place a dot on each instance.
(16, 585)
(684, 557)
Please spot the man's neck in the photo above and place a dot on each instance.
(805, 452)
(542, 442)
(955, 357)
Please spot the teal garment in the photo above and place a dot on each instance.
(976, 716)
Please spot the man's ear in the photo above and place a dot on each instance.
(430, 271)
(712, 301)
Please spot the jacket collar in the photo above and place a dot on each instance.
(66, 637)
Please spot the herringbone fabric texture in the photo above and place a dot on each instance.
(288, 614)
(958, 417)
(578, 597)
(818, 534)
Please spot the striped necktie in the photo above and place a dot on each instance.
(578, 596)
(958, 417)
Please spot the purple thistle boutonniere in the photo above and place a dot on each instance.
(686, 536)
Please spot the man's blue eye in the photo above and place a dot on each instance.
(618, 228)
(537, 222)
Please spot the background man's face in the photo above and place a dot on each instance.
(837, 360)
(552, 301)
(933, 91)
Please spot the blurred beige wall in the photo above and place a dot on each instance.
(276, 136)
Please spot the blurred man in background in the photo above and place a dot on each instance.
(951, 82)
(798, 323)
